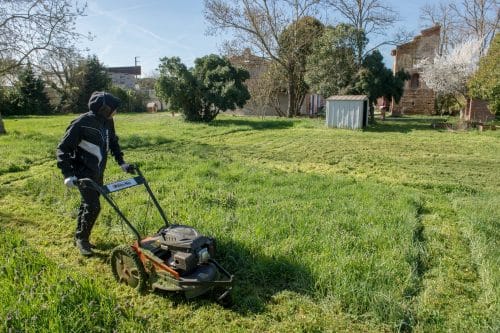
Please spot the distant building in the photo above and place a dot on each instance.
(417, 97)
(477, 111)
(124, 77)
(258, 66)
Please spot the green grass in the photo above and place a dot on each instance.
(39, 294)
(391, 228)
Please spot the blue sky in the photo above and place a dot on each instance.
(151, 29)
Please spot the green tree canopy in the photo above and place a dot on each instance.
(212, 86)
(28, 95)
(375, 80)
(331, 67)
(91, 76)
(132, 100)
(485, 83)
(295, 46)
(177, 86)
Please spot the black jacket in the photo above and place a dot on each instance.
(83, 150)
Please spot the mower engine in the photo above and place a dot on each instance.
(186, 247)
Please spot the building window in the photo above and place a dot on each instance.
(415, 81)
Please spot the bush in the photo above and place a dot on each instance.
(6, 104)
(132, 100)
(28, 96)
(214, 85)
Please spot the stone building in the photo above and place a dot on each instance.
(477, 111)
(417, 97)
(258, 66)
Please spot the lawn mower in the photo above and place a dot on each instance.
(176, 258)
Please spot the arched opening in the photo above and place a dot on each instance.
(415, 81)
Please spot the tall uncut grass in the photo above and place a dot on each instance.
(394, 228)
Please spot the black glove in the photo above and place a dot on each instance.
(128, 168)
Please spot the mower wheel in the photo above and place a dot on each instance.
(127, 267)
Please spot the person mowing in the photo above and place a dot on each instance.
(82, 153)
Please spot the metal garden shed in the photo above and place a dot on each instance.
(348, 111)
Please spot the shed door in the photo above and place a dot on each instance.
(365, 113)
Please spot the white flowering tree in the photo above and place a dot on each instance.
(448, 74)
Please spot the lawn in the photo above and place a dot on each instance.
(393, 228)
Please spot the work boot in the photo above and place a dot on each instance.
(84, 247)
(92, 246)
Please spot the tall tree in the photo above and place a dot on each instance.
(92, 76)
(295, 46)
(259, 24)
(478, 18)
(331, 67)
(375, 80)
(374, 17)
(485, 83)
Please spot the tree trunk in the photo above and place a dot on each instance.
(2, 127)
(295, 97)
(465, 112)
(359, 55)
(291, 99)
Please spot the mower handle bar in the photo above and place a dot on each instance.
(105, 190)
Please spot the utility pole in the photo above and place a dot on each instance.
(136, 61)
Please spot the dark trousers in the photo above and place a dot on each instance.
(90, 207)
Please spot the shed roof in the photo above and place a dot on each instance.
(134, 70)
(347, 98)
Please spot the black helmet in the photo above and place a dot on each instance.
(103, 103)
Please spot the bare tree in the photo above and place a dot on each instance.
(259, 25)
(31, 28)
(374, 17)
(59, 71)
(264, 85)
(478, 18)
(443, 15)
(460, 21)
(58, 68)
